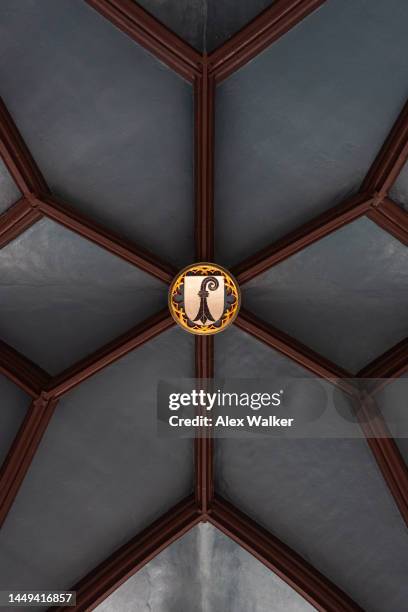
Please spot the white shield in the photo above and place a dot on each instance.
(192, 299)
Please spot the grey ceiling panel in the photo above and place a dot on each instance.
(324, 498)
(187, 18)
(101, 473)
(205, 24)
(204, 572)
(109, 125)
(9, 193)
(63, 297)
(298, 127)
(226, 17)
(238, 349)
(345, 296)
(13, 407)
(399, 190)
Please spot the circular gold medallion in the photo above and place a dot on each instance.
(204, 298)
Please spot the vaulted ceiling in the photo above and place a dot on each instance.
(277, 150)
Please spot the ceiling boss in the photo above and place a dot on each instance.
(204, 298)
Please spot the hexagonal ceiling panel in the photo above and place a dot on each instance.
(204, 571)
(101, 473)
(297, 129)
(63, 297)
(324, 498)
(345, 296)
(109, 126)
(9, 192)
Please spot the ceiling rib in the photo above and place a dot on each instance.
(23, 372)
(204, 446)
(278, 557)
(391, 158)
(80, 224)
(393, 469)
(126, 561)
(22, 451)
(16, 220)
(17, 157)
(87, 367)
(152, 35)
(392, 218)
(307, 234)
(391, 364)
(258, 35)
(385, 451)
(204, 92)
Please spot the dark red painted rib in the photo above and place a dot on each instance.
(204, 483)
(391, 364)
(79, 223)
(16, 220)
(204, 89)
(293, 349)
(259, 34)
(23, 372)
(129, 17)
(22, 451)
(314, 230)
(392, 218)
(145, 331)
(391, 158)
(386, 453)
(17, 157)
(126, 561)
(288, 565)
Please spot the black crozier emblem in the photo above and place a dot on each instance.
(210, 283)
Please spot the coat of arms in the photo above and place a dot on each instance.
(204, 299)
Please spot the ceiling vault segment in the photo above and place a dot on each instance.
(37, 202)
(111, 352)
(371, 201)
(265, 29)
(292, 568)
(126, 250)
(310, 232)
(203, 72)
(385, 451)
